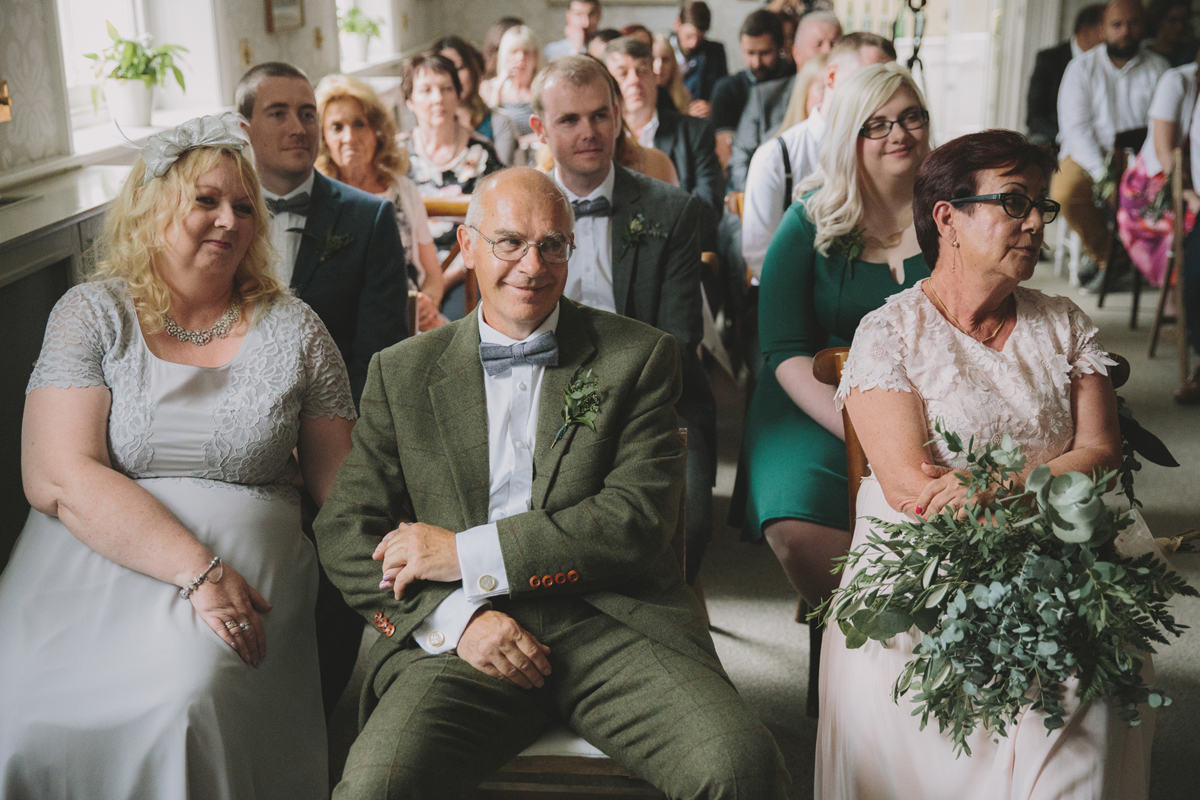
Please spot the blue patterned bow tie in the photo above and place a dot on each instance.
(293, 205)
(600, 207)
(541, 351)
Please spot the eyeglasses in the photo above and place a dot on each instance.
(1016, 205)
(553, 251)
(911, 120)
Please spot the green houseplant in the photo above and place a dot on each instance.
(355, 23)
(131, 69)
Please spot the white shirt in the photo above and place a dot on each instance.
(589, 272)
(764, 203)
(513, 400)
(1097, 101)
(562, 47)
(1076, 50)
(288, 244)
(1174, 99)
(646, 137)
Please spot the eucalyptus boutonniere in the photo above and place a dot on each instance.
(326, 245)
(582, 403)
(639, 228)
(849, 245)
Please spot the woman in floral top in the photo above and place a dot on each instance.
(446, 158)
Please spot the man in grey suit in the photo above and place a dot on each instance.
(340, 252)
(688, 141)
(638, 252)
(519, 570)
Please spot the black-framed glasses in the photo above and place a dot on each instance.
(911, 120)
(554, 250)
(1016, 205)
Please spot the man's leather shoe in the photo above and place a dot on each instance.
(1189, 393)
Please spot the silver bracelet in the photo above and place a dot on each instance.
(186, 591)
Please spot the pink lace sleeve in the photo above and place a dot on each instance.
(876, 356)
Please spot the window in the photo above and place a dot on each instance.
(82, 27)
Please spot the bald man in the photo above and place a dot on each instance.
(520, 568)
(1105, 92)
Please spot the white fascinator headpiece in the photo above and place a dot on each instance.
(164, 149)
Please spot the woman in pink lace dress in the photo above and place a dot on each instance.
(972, 347)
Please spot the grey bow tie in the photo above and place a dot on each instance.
(294, 205)
(542, 351)
(600, 207)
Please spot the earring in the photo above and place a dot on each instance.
(955, 244)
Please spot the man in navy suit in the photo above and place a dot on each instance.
(340, 247)
(340, 252)
(701, 59)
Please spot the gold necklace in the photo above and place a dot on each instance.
(957, 324)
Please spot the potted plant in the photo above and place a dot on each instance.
(355, 23)
(136, 68)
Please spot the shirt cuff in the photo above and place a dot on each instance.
(441, 630)
(481, 562)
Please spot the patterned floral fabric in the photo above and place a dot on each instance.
(458, 177)
(1146, 239)
(1023, 390)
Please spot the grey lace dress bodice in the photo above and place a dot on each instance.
(237, 423)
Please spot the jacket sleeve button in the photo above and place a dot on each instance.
(547, 580)
(535, 582)
(572, 576)
(560, 578)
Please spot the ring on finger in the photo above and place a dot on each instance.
(244, 625)
(230, 625)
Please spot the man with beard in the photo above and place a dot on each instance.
(1105, 92)
(761, 40)
(701, 59)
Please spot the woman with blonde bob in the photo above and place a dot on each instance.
(511, 91)
(671, 91)
(838, 254)
(163, 552)
(358, 147)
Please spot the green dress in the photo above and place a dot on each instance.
(807, 302)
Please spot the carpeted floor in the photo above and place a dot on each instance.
(752, 606)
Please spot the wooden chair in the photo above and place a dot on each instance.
(454, 208)
(1174, 273)
(563, 765)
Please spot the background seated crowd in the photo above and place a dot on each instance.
(247, 331)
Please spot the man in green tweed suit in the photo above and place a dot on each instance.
(519, 578)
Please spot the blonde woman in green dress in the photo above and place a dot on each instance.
(839, 253)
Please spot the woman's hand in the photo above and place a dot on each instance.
(232, 600)
(416, 551)
(428, 317)
(945, 489)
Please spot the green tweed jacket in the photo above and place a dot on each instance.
(604, 504)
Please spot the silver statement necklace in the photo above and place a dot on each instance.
(220, 329)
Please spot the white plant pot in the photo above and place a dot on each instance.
(362, 46)
(129, 103)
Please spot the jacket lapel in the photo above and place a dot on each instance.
(322, 216)
(460, 407)
(575, 348)
(626, 204)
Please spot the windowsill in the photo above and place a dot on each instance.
(103, 144)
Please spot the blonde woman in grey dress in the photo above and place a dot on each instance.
(158, 636)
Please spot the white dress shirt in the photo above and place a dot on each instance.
(1174, 99)
(1097, 101)
(287, 244)
(513, 400)
(589, 272)
(763, 205)
(647, 134)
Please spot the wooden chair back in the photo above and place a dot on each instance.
(1173, 279)
(454, 208)
(542, 771)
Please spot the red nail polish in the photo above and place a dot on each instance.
(920, 510)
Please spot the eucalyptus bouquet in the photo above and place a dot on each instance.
(1013, 597)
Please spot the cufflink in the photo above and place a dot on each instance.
(436, 639)
(487, 582)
